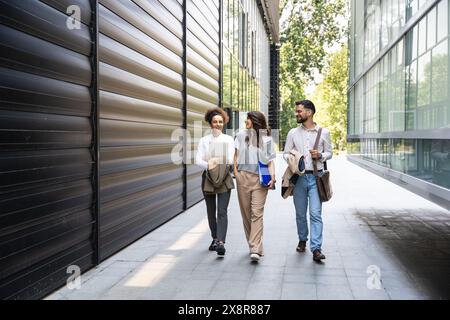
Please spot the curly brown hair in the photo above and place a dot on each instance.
(209, 115)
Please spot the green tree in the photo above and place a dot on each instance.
(309, 28)
(330, 97)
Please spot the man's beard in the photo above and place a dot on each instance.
(301, 120)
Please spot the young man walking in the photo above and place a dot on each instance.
(302, 139)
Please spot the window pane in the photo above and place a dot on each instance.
(440, 72)
(236, 28)
(411, 95)
(397, 155)
(235, 85)
(351, 110)
(384, 111)
(400, 53)
(411, 8)
(428, 160)
(431, 35)
(442, 23)
(358, 106)
(415, 42)
(421, 3)
(422, 36)
(424, 80)
(226, 77)
(409, 48)
(439, 151)
(225, 23)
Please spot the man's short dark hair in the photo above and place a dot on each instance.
(307, 104)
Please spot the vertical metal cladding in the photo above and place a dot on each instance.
(202, 78)
(140, 112)
(47, 129)
(46, 217)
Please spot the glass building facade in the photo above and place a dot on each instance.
(246, 55)
(399, 103)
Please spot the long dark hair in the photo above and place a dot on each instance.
(259, 123)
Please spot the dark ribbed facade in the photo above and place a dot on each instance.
(92, 106)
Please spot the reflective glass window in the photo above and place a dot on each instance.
(439, 80)
(442, 20)
(424, 80)
(431, 27)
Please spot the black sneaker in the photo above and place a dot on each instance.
(220, 249)
(213, 245)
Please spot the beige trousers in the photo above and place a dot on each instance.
(252, 197)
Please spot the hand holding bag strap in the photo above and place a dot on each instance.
(316, 145)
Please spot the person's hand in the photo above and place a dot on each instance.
(213, 162)
(271, 184)
(315, 154)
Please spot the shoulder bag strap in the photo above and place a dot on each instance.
(316, 144)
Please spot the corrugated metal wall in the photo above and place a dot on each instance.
(48, 128)
(141, 102)
(202, 77)
(46, 218)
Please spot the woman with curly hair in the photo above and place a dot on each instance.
(215, 155)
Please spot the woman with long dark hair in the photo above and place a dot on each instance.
(215, 155)
(253, 145)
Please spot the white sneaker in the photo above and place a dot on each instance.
(254, 257)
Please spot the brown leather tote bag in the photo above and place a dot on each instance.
(323, 181)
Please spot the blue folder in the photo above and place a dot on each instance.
(264, 174)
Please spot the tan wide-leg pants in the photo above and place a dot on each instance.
(252, 197)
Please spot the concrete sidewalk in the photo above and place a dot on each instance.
(371, 227)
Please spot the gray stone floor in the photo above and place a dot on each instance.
(381, 242)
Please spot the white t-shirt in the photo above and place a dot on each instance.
(210, 147)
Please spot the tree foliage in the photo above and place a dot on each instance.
(331, 98)
(309, 29)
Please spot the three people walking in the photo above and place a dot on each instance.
(251, 149)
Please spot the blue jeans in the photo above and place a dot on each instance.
(306, 189)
